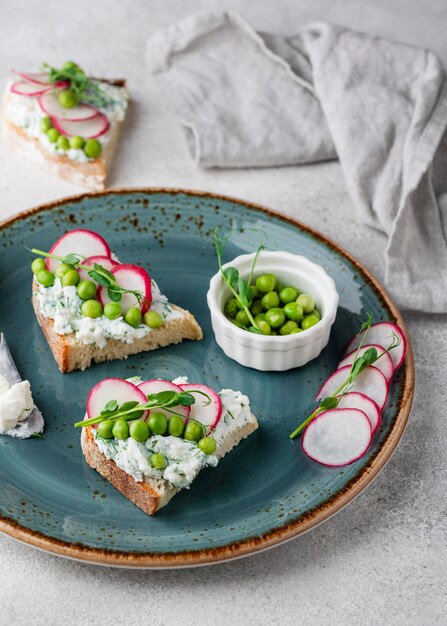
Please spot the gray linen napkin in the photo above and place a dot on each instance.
(247, 99)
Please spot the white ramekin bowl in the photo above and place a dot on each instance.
(275, 353)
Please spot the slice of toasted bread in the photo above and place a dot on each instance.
(71, 354)
(150, 495)
(91, 174)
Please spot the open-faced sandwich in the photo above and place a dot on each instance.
(150, 439)
(91, 308)
(65, 122)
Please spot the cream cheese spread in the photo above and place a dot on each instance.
(63, 306)
(16, 403)
(25, 112)
(185, 459)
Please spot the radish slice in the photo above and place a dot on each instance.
(371, 382)
(23, 88)
(112, 389)
(40, 78)
(134, 278)
(207, 414)
(337, 437)
(50, 105)
(384, 363)
(356, 400)
(105, 261)
(382, 335)
(155, 386)
(86, 243)
(86, 128)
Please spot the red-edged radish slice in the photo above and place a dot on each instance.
(87, 128)
(22, 88)
(50, 105)
(105, 261)
(337, 437)
(384, 363)
(134, 278)
(39, 78)
(382, 335)
(86, 243)
(370, 382)
(356, 400)
(112, 389)
(155, 386)
(203, 411)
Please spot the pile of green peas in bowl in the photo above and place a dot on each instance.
(87, 291)
(275, 308)
(158, 424)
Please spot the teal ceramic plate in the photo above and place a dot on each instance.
(264, 492)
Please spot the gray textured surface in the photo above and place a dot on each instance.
(383, 559)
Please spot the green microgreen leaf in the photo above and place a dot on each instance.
(232, 276)
(72, 259)
(111, 405)
(328, 403)
(243, 289)
(114, 295)
(186, 399)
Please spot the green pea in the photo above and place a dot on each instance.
(176, 426)
(158, 423)
(266, 283)
(309, 321)
(52, 135)
(37, 266)
(279, 287)
(238, 324)
(270, 300)
(193, 431)
(260, 317)
(288, 294)
(293, 311)
(317, 313)
(120, 429)
(91, 308)
(76, 142)
(306, 301)
(112, 310)
(287, 328)
(70, 278)
(133, 317)
(139, 430)
(153, 319)
(207, 445)
(71, 65)
(242, 318)
(158, 461)
(86, 290)
(231, 307)
(45, 278)
(62, 269)
(256, 307)
(45, 124)
(275, 317)
(295, 331)
(62, 143)
(252, 292)
(264, 327)
(68, 99)
(105, 429)
(92, 148)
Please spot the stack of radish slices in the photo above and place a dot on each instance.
(340, 436)
(81, 120)
(95, 249)
(207, 408)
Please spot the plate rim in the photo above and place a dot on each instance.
(277, 536)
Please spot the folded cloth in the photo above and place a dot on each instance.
(247, 99)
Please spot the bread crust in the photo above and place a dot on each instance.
(71, 354)
(145, 496)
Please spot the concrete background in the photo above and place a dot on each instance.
(383, 559)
